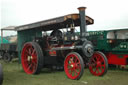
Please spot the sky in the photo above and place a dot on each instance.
(107, 14)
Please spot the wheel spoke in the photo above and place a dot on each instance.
(71, 71)
(78, 63)
(76, 60)
(93, 60)
(101, 69)
(98, 70)
(27, 52)
(72, 59)
(33, 61)
(69, 68)
(33, 52)
(103, 65)
(101, 60)
(78, 67)
(97, 58)
(95, 70)
(25, 60)
(76, 71)
(34, 66)
(69, 65)
(30, 51)
(34, 58)
(29, 67)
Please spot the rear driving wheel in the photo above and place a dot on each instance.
(32, 58)
(74, 66)
(98, 64)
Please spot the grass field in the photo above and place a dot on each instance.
(14, 75)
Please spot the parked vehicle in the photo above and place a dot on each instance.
(8, 49)
(4, 41)
(113, 43)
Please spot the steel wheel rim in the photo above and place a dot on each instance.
(29, 59)
(72, 66)
(97, 64)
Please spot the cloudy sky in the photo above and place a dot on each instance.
(107, 14)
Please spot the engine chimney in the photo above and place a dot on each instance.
(83, 28)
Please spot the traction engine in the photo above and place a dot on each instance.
(69, 50)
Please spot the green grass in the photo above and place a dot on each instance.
(14, 75)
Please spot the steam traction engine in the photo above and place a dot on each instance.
(62, 47)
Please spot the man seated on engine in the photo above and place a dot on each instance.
(71, 35)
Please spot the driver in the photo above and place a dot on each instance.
(72, 29)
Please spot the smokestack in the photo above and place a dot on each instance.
(83, 28)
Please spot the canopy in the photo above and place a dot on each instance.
(56, 23)
(9, 28)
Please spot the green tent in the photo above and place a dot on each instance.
(4, 40)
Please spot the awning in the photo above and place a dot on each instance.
(55, 23)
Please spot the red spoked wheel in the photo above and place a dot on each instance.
(98, 64)
(74, 66)
(32, 58)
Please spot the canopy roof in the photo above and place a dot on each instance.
(56, 23)
(9, 28)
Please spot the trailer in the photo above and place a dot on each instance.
(113, 43)
(55, 42)
(8, 50)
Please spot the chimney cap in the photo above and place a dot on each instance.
(81, 8)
